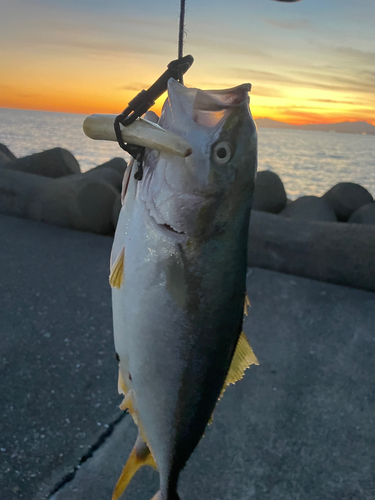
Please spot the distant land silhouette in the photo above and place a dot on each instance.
(343, 127)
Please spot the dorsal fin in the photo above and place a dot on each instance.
(243, 357)
(117, 272)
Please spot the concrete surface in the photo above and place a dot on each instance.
(298, 427)
(58, 372)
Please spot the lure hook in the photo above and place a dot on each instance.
(143, 102)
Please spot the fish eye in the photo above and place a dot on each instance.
(222, 152)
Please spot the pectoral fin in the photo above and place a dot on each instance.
(140, 456)
(117, 272)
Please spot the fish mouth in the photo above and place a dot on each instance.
(177, 219)
(170, 228)
(164, 228)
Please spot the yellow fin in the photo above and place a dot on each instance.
(121, 386)
(243, 357)
(117, 272)
(246, 305)
(139, 456)
(127, 402)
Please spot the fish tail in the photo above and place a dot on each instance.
(139, 456)
(171, 495)
(168, 487)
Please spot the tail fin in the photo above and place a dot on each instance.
(139, 456)
(170, 496)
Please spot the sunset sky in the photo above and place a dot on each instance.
(309, 62)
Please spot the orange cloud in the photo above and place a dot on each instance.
(57, 59)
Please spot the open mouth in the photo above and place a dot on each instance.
(170, 228)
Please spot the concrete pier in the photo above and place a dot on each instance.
(299, 426)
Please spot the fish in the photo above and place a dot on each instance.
(178, 276)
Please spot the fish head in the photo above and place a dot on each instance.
(201, 192)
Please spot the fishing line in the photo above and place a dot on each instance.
(146, 98)
(181, 32)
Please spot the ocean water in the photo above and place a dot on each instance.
(309, 163)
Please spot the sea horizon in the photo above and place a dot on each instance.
(308, 162)
(255, 119)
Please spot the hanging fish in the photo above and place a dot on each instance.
(178, 272)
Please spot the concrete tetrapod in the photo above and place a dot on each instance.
(325, 251)
(347, 197)
(309, 208)
(117, 163)
(269, 192)
(4, 159)
(112, 171)
(109, 175)
(7, 153)
(364, 215)
(56, 162)
(76, 202)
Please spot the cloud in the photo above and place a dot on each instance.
(28, 95)
(356, 55)
(211, 44)
(369, 74)
(101, 46)
(340, 82)
(136, 87)
(333, 101)
(91, 39)
(96, 34)
(214, 84)
(290, 24)
(261, 91)
(357, 83)
(262, 75)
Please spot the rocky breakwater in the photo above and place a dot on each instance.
(329, 238)
(50, 187)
